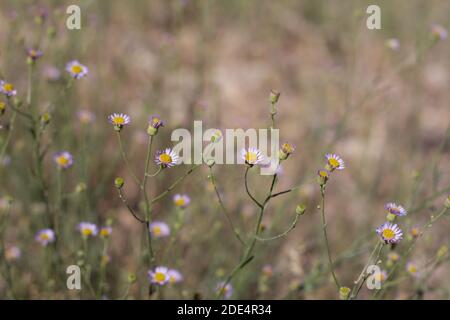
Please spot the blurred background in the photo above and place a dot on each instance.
(378, 98)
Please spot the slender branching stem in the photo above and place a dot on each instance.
(248, 191)
(224, 209)
(125, 202)
(125, 159)
(292, 227)
(325, 237)
(151, 255)
(173, 185)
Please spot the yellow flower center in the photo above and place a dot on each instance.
(160, 277)
(394, 257)
(165, 158)
(172, 279)
(8, 87)
(104, 232)
(287, 148)
(180, 202)
(156, 230)
(388, 234)
(62, 161)
(412, 269)
(86, 232)
(251, 157)
(323, 174)
(119, 120)
(45, 236)
(77, 69)
(223, 291)
(333, 162)
(155, 120)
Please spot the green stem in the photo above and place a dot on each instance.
(30, 82)
(325, 236)
(8, 137)
(248, 255)
(362, 277)
(247, 190)
(222, 205)
(173, 185)
(151, 256)
(125, 159)
(293, 225)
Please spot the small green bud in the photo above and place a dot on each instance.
(300, 209)
(216, 137)
(152, 131)
(322, 177)
(131, 278)
(210, 162)
(119, 182)
(274, 96)
(45, 119)
(447, 202)
(442, 252)
(81, 187)
(344, 292)
(390, 217)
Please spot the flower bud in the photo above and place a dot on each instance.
(131, 278)
(152, 131)
(286, 150)
(216, 137)
(210, 162)
(390, 217)
(415, 232)
(442, 252)
(45, 119)
(81, 187)
(344, 292)
(274, 96)
(119, 182)
(300, 209)
(154, 124)
(447, 202)
(322, 177)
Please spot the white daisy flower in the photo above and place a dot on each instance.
(159, 276)
(334, 162)
(76, 69)
(181, 200)
(252, 156)
(395, 209)
(87, 229)
(159, 229)
(390, 233)
(45, 236)
(412, 269)
(119, 120)
(12, 253)
(393, 44)
(174, 276)
(166, 158)
(7, 89)
(439, 31)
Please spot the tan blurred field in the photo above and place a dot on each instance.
(385, 112)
